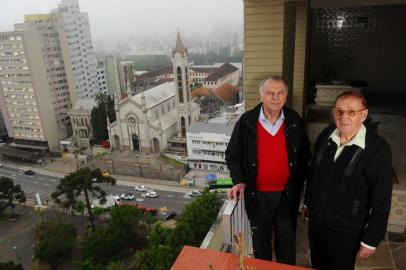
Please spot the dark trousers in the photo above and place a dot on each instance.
(331, 249)
(269, 221)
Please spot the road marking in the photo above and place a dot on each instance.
(170, 196)
(52, 180)
(139, 200)
(5, 175)
(46, 184)
(35, 182)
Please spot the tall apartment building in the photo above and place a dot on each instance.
(101, 79)
(33, 87)
(126, 75)
(112, 76)
(77, 47)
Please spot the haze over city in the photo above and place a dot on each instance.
(126, 20)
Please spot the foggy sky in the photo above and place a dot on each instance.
(121, 18)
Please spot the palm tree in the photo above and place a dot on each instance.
(83, 180)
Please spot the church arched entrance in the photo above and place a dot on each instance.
(116, 142)
(156, 146)
(136, 142)
(183, 126)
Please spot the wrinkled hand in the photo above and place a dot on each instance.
(364, 252)
(236, 192)
(304, 213)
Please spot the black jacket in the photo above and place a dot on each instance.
(241, 157)
(355, 198)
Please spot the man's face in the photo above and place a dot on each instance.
(274, 96)
(349, 114)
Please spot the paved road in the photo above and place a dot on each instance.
(46, 184)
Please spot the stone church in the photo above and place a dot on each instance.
(157, 119)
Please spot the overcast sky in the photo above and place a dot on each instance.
(130, 17)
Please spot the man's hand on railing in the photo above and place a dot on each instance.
(236, 192)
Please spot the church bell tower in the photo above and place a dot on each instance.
(181, 78)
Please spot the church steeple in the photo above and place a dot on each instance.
(179, 45)
(181, 78)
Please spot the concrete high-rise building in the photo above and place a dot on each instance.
(101, 79)
(77, 48)
(34, 92)
(126, 75)
(112, 77)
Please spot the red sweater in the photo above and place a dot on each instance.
(272, 160)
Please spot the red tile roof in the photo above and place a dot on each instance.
(226, 91)
(201, 91)
(192, 258)
(221, 72)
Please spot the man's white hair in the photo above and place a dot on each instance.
(272, 78)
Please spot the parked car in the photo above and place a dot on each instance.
(106, 173)
(167, 215)
(145, 209)
(1, 165)
(151, 194)
(3, 144)
(29, 172)
(110, 202)
(141, 188)
(127, 196)
(195, 193)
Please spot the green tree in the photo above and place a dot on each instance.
(125, 226)
(8, 193)
(98, 117)
(125, 230)
(79, 207)
(88, 264)
(199, 217)
(100, 246)
(158, 254)
(10, 265)
(54, 241)
(86, 181)
(115, 266)
(191, 228)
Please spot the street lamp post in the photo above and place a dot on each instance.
(16, 252)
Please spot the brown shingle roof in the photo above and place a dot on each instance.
(226, 91)
(221, 72)
(208, 70)
(156, 73)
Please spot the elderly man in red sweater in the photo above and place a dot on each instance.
(268, 156)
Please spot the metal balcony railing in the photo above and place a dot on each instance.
(235, 222)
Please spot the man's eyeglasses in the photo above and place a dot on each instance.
(350, 113)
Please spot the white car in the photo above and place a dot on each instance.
(151, 194)
(1, 165)
(141, 188)
(127, 196)
(195, 193)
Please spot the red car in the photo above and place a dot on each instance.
(145, 209)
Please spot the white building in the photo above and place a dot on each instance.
(80, 61)
(208, 141)
(101, 80)
(157, 119)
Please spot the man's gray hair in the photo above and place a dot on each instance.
(272, 78)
